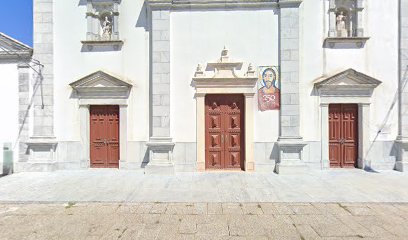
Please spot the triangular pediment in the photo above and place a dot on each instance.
(101, 85)
(99, 79)
(348, 78)
(12, 49)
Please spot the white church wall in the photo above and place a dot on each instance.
(9, 99)
(73, 60)
(198, 37)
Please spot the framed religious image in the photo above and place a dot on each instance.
(268, 88)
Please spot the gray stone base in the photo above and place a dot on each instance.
(185, 167)
(390, 165)
(160, 156)
(159, 169)
(41, 150)
(291, 167)
(35, 167)
(401, 166)
(265, 167)
(290, 156)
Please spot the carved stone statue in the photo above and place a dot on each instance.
(341, 25)
(106, 29)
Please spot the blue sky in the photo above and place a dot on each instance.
(16, 20)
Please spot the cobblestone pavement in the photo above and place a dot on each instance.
(204, 221)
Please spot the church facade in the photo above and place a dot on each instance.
(162, 86)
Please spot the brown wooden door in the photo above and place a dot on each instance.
(343, 135)
(104, 136)
(224, 131)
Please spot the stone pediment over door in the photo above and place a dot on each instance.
(101, 85)
(347, 83)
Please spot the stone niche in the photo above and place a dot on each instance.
(102, 22)
(346, 22)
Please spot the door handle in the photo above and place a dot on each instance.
(342, 141)
(105, 141)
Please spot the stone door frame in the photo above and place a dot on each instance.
(225, 79)
(249, 124)
(100, 88)
(347, 87)
(363, 129)
(84, 112)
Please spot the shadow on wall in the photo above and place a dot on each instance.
(142, 18)
(145, 159)
(274, 153)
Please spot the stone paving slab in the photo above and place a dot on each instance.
(200, 221)
(106, 185)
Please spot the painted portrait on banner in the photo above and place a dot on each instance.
(268, 89)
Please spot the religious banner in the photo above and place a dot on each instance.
(268, 89)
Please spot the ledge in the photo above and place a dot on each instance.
(41, 141)
(359, 42)
(225, 4)
(116, 44)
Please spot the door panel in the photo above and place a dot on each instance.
(343, 135)
(224, 131)
(335, 152)
(350, 129)
(214, 136)
(104, 136)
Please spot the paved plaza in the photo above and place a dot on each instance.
(204, 221)
(117, 204)
(104, 185)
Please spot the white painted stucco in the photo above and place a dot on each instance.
(9, 100)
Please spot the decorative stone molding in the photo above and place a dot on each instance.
(333, 42)
(346, 23)
(224, 4)
(101, 85)
(102, 24)
(12, 50)
(224, 77)
(348, 86)
(42, 153)
(348, 83)
(90, 45)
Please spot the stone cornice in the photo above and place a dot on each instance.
(12, 50)
(220, 4)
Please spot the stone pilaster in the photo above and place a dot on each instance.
(42, 144)
(402, 140)
(290, 142)
(43, 52)
(160, 144)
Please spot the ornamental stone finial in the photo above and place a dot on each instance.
(224, 54)
(199, 71)
(251, 71)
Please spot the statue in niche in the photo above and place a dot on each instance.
(106, 29)
(341, 25)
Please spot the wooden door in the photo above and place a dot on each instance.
(343, 135)
(104, 136)
(224, 131)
